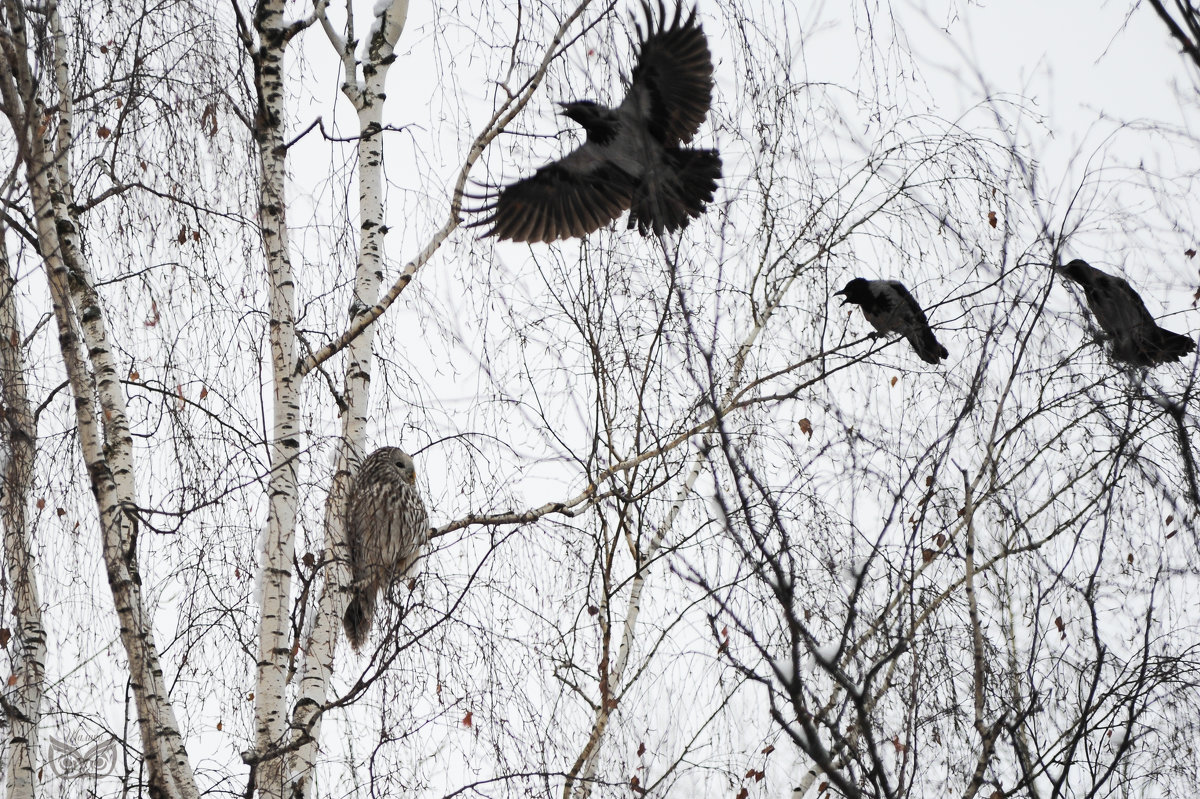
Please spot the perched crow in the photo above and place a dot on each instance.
(1121, 313)
(632, 159)
(889, 308)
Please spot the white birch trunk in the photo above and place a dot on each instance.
(22, 704)
(99, 402)
(368, 99)
(278, 543)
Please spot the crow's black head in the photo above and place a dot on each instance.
(857, 291)
(599, 121)
(1077, 270)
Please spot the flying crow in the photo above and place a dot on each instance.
(632, 159)
(1121, 313)
(889, 308)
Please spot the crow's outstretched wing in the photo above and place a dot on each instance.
(670, 90)
(570, 197)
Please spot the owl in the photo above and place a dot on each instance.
(386, 526)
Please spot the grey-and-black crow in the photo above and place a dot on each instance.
(889, 307)
(632, 158)
(1120, 312)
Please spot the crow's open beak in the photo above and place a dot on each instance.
(841, 294)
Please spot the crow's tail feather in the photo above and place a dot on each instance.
(675, 191)
(927, 346)
(1168, 346)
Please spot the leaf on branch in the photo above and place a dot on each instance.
(12, 680)
(41, 503)
(1129, 558)
(641, 748)
(154, 317)
(823, 787)
(5, 635)
(940, 540)
(929, 481)
(928, 555)
(208, 120)
(769, 749)
(103, 132)
(1172, 534)
(203, 392)
(466, 722)
(1062, 628)
(743, 793)
(220, 726)
(308, 559)
(992, 218)
(1190, 252)
(806, 427)
(899, 747)
(592, 610)
(134, 375)
(895, 379)
(1170, 518)
(250, 697)
(61, 512)
(182, 237)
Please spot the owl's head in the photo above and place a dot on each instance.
(403, 463)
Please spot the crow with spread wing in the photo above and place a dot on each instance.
(632, 159)
(1120, 312)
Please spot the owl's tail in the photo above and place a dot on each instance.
(358, 617)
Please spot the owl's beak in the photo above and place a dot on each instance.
(412, 478)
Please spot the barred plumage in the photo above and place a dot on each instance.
(386, 527)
